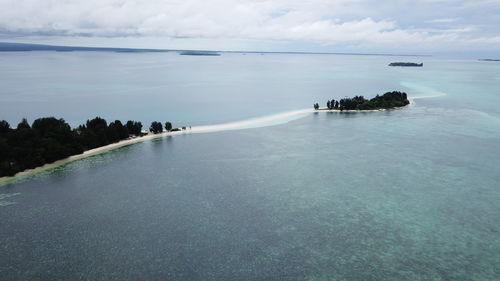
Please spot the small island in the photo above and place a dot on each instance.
(406, 64)
(199, 53)
(389, 100)
(489, 59)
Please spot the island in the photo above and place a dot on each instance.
(389, 100)
(199, 53)
(23, 47)
(405, 64)
(49, 139)
(489, 59)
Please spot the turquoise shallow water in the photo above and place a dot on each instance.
(408, 194)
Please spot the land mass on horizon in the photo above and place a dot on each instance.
(199, 53)
(27, 47)
(406, 64)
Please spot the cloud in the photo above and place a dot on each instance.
(328, 22)
(445, 20)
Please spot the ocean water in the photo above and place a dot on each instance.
(410, 194)
(77, 86)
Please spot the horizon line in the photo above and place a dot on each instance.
(25, 47)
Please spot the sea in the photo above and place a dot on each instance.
(407, 194)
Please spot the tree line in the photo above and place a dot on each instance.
(385, 101)
(50, 139)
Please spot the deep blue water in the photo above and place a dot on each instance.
(409, 194)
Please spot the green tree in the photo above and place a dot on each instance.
(120, 129)
(99, 127)
(134, 127)
(156, 127)
(112, 132)
(23, 124)
(386, 101)
(168, 126)
(49, 139)
(4, 127)
(51, 127)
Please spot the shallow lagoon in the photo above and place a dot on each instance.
(408, 194)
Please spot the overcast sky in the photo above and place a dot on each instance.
(401, 26)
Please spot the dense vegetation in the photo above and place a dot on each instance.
(156, 127)
(168, 126)
(386, 101)
(199, 53)
(406, 64)
(50, 139)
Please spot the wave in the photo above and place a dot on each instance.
(5, 196)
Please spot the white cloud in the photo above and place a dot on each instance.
(445, 20)
(359, 23)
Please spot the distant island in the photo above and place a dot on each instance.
(406, 64)
(50, 139)
(489, 59)
(389, 100)
(23, 47)
(199, 53)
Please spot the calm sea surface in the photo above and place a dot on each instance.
(411, 194)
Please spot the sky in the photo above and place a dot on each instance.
(369, 26)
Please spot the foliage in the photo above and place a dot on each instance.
(386, 101)
(50, 139)
(406, 64)
(23, 124)
(156, 127)
(331, 104)
(4, 127)
(168, 126)
(134, 128)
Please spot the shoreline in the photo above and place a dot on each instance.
(85, 154)
(246, 124)
(251, 123)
